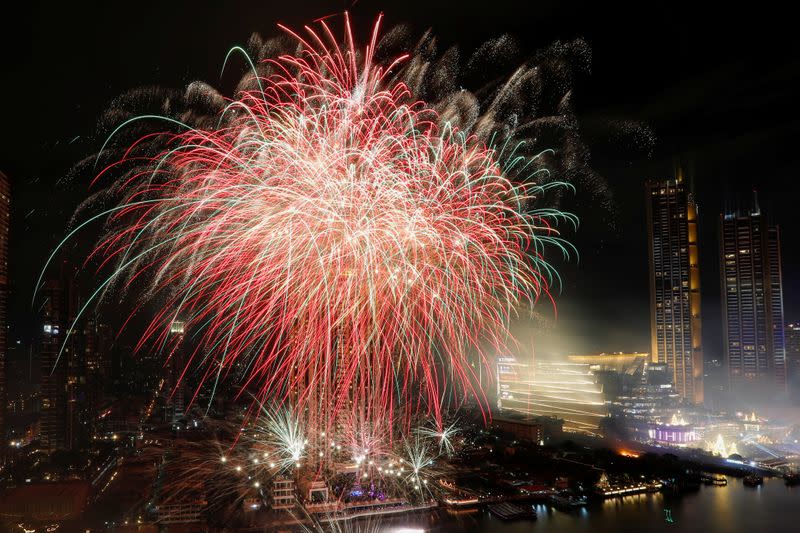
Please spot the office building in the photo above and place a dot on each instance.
(792, 332)
(53, 369)
(176, 365)
(675, 327)
(64, 422)
(752, 304)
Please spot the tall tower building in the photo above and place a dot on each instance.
(5, 222)
(63, 369)
(793, 361)
(752, 303)
(53, 377)
(675, 332)
(175, 385)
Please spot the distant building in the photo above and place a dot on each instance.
(64, 409)
(283, 493)
(97, 347)
(792, 332)
(752, 304)
(53, 379)
(5, 220)
(522, 429)
(175, 385)
(639, 393)
(535, 429)
(622, 362)
(676, 432)
(618, 373)
(560, 390)
(182, 512)
(653, 397)
(675, 328)
(46, 503)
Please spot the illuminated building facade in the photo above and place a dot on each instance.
(561, 390)
(752, 303)
(5, 219)
(652, 395)
(618, 373)
(176, 387)
(675, 329)
(792, 332)
(675, 433)
(283, 493)
(624, 363)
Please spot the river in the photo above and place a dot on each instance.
(733, 508)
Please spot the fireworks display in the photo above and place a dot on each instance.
(236, 478)
(330, 239)
(308, 281)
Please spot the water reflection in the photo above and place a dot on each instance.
(734, 508)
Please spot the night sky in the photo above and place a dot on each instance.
(717, 86)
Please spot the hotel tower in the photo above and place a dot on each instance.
(675, 330)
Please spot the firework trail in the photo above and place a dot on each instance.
(443, 436)
(231, 478)
(350, 245)
(282, 432)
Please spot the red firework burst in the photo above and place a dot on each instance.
(334, 237)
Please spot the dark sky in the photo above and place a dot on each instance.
(717, 85)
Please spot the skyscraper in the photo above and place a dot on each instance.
(53, 377)
(176, 384)
(752, 303)
(675, 331)
(793, 360)
(5, 219)
(63, 375)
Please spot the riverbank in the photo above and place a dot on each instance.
(731, 508)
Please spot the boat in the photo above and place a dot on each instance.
(611, 491)
(753, 480)
(462, 500)
(792, 479)
(714, 479)
(566, 501)
(510, 511)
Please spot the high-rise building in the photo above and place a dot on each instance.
(675, 330)
(63, 368)
(97, 349)
(5, 221)
(176, 384)
(752, 303)
(53, 377)
(792, 332)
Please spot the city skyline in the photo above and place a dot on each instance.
(392, 266)
(580, 326)
(610, 246)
